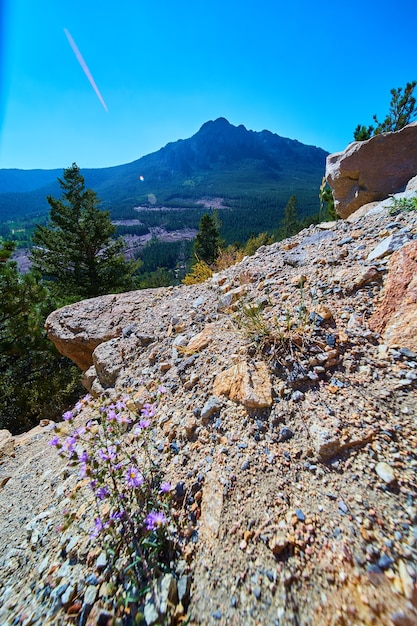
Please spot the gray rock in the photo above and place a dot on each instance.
(150, 613)
(213, 405)
(101, 561)
(389, 245)
(198, 302)
(90, 595)
(225, 301)
(183, 587)
(166, 592)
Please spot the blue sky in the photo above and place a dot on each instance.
(305, 70)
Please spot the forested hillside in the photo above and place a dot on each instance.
(253, 173)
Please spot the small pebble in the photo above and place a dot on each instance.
(286, 434)
(257, 592)
(342, 507)
(384, 562)
(300, 515)
(385, 472)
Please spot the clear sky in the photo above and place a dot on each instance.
(305, 70)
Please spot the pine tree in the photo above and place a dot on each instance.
(35, 381)
(207, 241)
(291, 224)
(76, 249)
(362, 133)
(402, 111)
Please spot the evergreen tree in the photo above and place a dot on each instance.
(291, 224)
(35, 380)
(207, 241)
(76, 249)
(256, 241)
(362, 133)
(402, 111)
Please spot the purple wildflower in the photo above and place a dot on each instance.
(111, 415)
(117, 515)
(155, 519)
(148, 410)
(102, 493)
(120, 404)
(162, 389)
(78, 407)
(54, 441)
(142, 424)
(165, 487)
(133, 477)
(108, 454)
(69, 444)
(83, 458)
(98, 527)
(83, 470)
(67, 416)
(123, 418)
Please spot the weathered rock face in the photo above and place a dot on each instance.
(396, 316)
(77, 330)
(367, 171)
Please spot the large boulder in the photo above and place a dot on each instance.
(77, 329)
(367, 171)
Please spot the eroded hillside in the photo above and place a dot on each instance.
(287, 427)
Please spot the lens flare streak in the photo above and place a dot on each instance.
(84, 67)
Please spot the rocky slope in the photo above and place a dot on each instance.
(288, 427)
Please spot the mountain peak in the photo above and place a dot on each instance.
(221, 123)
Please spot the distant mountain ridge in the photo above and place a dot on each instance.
(220, 160)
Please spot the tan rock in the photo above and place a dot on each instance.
(323, 311)
(108, 362)
(359, 213)
(6, 443)
(200, 341)
(278, 543)
(211, 505)
(366, 277)
(299, 280)
(396, 316)
(247, 383)
(371, 170)
(325, 436)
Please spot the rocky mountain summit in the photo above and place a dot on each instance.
(288, 428)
